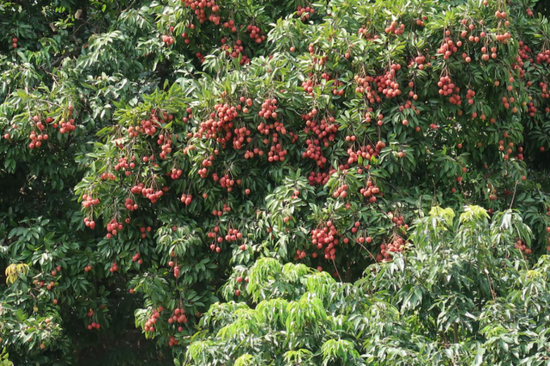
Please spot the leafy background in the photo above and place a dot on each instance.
(229, 204)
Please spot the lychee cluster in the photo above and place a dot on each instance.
(319, 178)
(364, 86)
(113, 227)
(394, 28)
(447, 88)
(114, 268)
(269, 109)
(166, 145)
(341, 191)
(230, 24)
(305, 12)
(220, 123)
(235, 51)
(168, 40)
(89, 223)
(327, 238)
(226, 181)
(325, 132)
(150, 323)
(107, 176)
(175, 173)
(178, 316)
(255, 33)
(543, 57)
(137, 258)
(370, 192)
(386, 250)
(219, 213)
(203, 172)
(130, 204)
(200, 8)
(386, 83)
(149, 193)
(241, 135)
(448, 47)
(365, 152)
(522, 247)
(88, 201)
(186, 199)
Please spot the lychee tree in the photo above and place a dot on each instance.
(163, 157)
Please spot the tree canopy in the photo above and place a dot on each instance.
(214, 182)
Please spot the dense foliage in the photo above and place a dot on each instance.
(452, 299)
(260, 182)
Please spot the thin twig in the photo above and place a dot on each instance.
(337, 273)
(514, 195)
(362, 246)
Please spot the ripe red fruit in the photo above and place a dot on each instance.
(237, 292)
